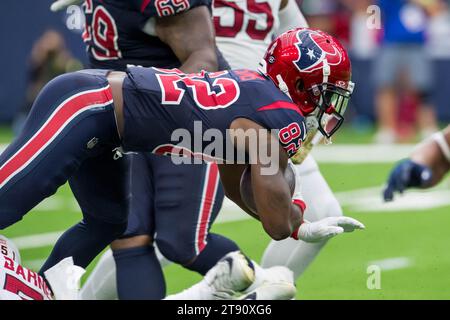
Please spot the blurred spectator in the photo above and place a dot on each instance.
(49, 58)
(329, 16)
(438, 32)
(363, 46)
(402, 64)
(438, 39)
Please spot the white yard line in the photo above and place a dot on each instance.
(361, 153)
(37, 240)
(34, 264)
(392, 263)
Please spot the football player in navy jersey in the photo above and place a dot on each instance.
(161, 34)
(78, 118)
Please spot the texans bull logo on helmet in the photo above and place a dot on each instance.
(311, 54)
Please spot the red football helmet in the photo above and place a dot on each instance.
(314, 69)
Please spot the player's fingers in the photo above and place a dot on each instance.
(388, 193)
(332, 232)
(349, 224)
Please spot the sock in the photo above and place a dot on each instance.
(101, 283)
(163, 261)
(83, 242)
(139, 274)
(217, 247)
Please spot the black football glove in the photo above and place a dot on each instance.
(406, 174)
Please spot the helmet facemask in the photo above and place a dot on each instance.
(331, 102)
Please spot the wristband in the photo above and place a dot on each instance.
(302, 205)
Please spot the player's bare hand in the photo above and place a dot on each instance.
(326, 228)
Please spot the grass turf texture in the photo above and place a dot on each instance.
(340, 270)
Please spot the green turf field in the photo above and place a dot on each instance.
(419, 237)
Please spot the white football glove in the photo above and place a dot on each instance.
(63, 4)
(326, 228)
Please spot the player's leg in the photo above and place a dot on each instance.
(100, 186)
(185, 211)
(321, 203)
(187, 201)
(68, 113)
(138, 272)
(102, 282)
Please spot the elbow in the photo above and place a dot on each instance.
(211, 64)
(208, 59)
(278, 231)
(231, 194)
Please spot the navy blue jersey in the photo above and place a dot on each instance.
(120, 32)
(157, 102)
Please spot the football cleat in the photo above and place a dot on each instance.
(233, 274)
(278, 284)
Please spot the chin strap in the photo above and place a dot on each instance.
(283, 86)
(326, 72)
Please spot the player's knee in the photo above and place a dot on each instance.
(105, 229)
(131, 242)
(174, 249)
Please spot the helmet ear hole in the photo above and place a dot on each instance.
(300, 85)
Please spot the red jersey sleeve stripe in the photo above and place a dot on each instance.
(281, 105)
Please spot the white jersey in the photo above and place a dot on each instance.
(17, 282)
(245, 28)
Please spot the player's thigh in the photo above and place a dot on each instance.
(141, 204)
(54, 142)
(100, 186)
(187, 201)
(320, 200)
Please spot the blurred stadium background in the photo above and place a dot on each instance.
(408, 239)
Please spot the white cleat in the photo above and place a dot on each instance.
(278, 284)
(233, 274)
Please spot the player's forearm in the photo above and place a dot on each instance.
(291, 17)
(191, 37)
(230, 177)
(279, 216)
(434, 154)
(198, 60)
